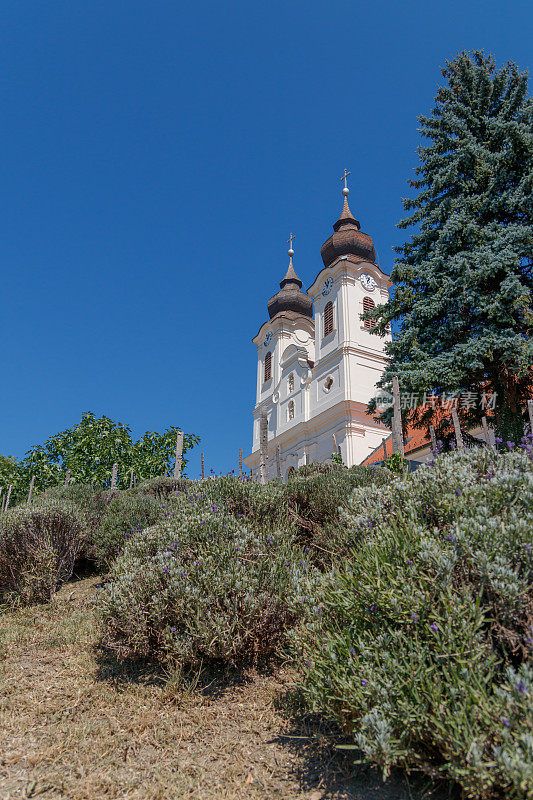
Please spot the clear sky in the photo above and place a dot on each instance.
(155, 156)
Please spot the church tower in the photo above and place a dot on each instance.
(284, 345)
(318, 363)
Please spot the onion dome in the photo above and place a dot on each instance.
(348, 239)
(290, 297)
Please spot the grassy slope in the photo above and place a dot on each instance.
(73, 725)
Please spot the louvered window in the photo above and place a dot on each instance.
(268, 366)
(291, 410)
(368, 305)
(328, 318)
(291, 383)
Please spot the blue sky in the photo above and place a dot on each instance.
(154, 158)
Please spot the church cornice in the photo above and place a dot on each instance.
(345, 350)
(351, 412)
(355, 266)
(285, 320)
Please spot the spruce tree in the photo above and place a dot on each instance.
(463, 284)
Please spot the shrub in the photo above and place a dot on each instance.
(316, 494)
(417, 644)
(257, 503)
(38, 548)
(309, 504)
(201, 586)
(162, 487)
(91, 503)
(125, 515)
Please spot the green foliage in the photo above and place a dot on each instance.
(217, 577)
(11, 472)
(514, 756)
(90, 505)
(38, 547)
(256, 503)
(464, 281)
(396, 463)
(414, 643)
(309, 504)
(201, 586)
(89, 451)
(315, 500)
(162, 487)
(125, 515)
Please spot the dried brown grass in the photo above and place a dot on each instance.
(76, 725)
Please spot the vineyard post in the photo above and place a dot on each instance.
(397, 432)
(457, 429)
(179, 454)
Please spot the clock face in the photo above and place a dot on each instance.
(367, 282)
(328, 283)
(268, 339)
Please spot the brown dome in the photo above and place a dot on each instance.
(347, 239)
(290, 297)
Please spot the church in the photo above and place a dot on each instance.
(317, 361)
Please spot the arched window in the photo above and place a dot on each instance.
(368, 305)
(291, 383)
(328, 318)
(291, 410)
(268, 366)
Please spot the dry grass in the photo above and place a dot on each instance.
(75, 725)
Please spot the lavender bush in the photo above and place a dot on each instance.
(38, 548)
(201, 586)
(125, 516)
(418, 643)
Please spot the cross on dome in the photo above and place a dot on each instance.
(289, 242)
(344, 178)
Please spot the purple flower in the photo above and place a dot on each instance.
(372, 607)
(415, 617)
(522, 688)
(434, 626)
(506, 722)
(363, 682)
(528, 548)
(510, 445)
(458, 492)
(165, 569)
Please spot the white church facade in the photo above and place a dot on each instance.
(317, 361)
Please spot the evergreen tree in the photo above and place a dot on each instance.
(464, 281)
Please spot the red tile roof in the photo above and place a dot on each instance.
(414, 439)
